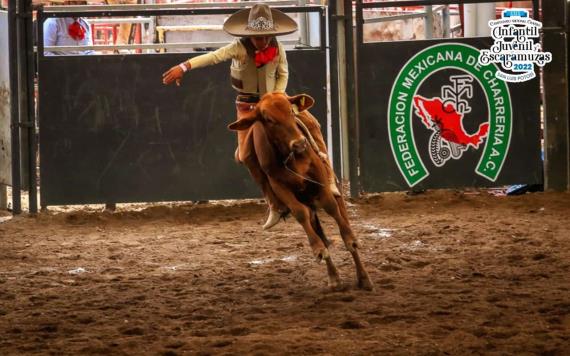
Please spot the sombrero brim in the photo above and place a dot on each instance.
(236, 24)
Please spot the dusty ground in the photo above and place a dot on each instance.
(454, 273)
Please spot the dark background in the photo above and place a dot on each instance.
(110, 131)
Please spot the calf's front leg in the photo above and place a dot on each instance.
(302, 215)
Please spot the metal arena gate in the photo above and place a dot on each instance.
(111, 132)
(430, 117)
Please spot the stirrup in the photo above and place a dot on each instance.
(272, 219)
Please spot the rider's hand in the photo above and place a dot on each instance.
(173, 74)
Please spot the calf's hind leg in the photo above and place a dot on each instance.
(303, 216)
(334, 278)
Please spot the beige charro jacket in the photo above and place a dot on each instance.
(246, 78)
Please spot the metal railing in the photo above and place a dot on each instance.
(148, 11)
(428, 16)
(147, 46)
(430, 7)
(210, 5)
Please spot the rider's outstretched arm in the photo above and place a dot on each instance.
(234, 50)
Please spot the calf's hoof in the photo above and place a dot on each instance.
(352, 245)
(321, 254)
(365, 283)
(335, 285)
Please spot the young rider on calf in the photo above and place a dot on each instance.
(259, 66)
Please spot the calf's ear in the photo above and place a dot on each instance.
(303, 101)
(242, 124)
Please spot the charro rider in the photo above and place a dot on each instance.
(259, 66)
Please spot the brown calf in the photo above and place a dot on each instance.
(284, 164)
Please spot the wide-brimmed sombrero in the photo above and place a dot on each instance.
(260, 20)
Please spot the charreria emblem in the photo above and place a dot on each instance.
(445, 115)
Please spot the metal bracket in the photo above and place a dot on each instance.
(26, 124)
(25, 15)
(338, 17)
(554, 29)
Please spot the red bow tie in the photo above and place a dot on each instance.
(76, 31)
(265, 56)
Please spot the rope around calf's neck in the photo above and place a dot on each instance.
(292, 155)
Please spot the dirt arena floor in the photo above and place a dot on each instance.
(454, 273)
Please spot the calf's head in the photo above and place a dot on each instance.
(276, 112)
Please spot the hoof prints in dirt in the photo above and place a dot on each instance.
(354, 324)
(132, 331)
(451, 278)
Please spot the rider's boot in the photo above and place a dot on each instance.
(273, 219)
(331, 176)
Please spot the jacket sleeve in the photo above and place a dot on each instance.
(234, 50)
(282, 71)
(50, 35)
(88, 37)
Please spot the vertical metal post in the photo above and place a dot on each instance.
(428, 22)
(536, 10)
(3, 197)
(304, 25)
(352, 95)
(469, 20)
(40, 17)
(323, 28)
(31, 127)
(485, 13)
(14, 107)
(22, 88)
(333, 23)
(445, 22)
(555, 97)
(343, 20)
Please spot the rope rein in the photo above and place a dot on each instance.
(313, 145)
(307, 133)
(291, 155)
